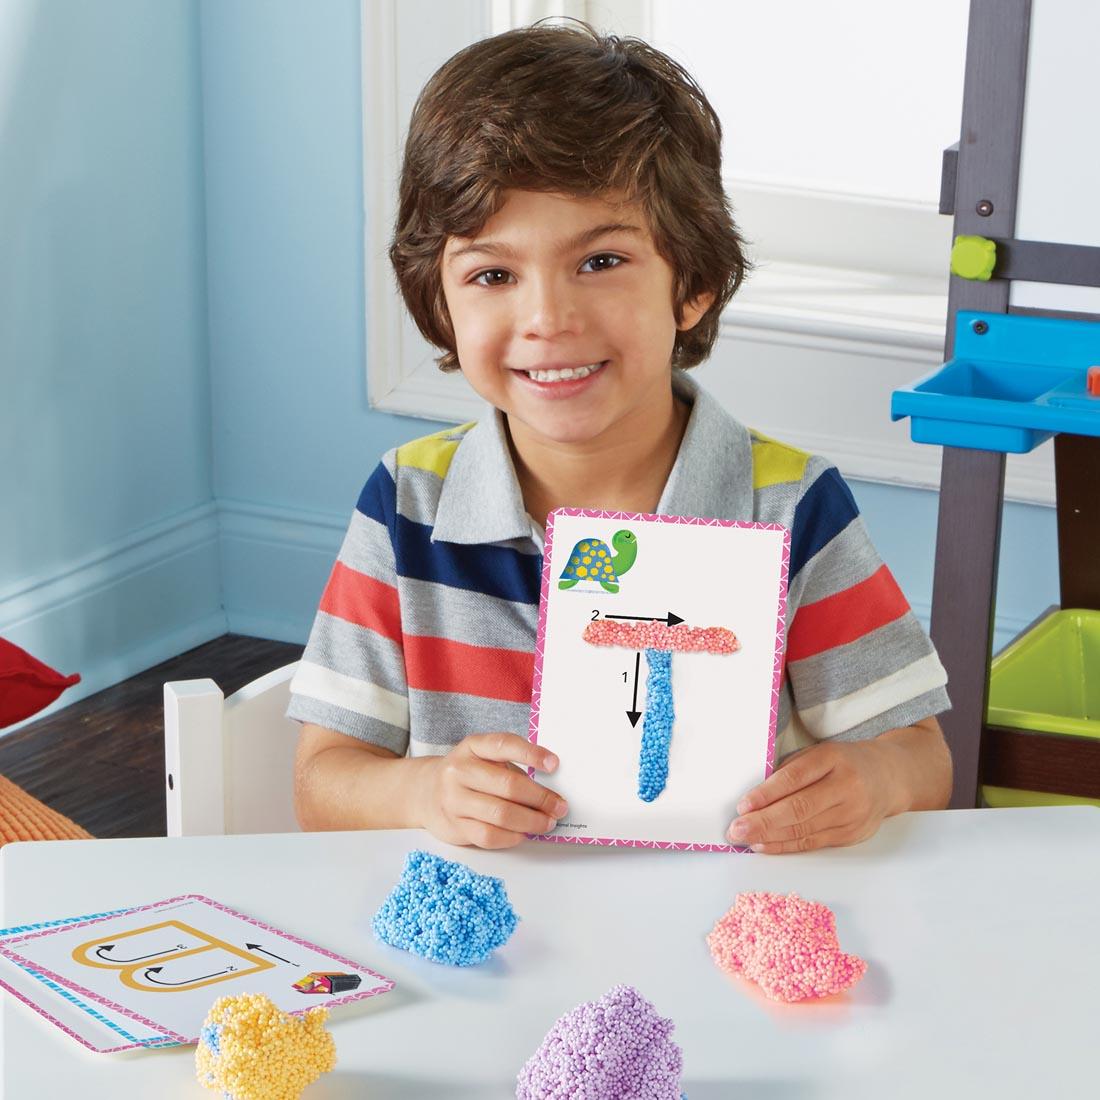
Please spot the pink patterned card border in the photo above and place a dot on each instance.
(777, 671)
(384, 984)
(45, 1014)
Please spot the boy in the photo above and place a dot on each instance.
(564, 235)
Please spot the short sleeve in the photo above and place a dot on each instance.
(858, 660)
(351, 677)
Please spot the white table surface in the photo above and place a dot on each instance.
(979, 928)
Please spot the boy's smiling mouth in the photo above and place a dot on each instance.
(558, 374)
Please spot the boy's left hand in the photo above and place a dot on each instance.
(823, 796)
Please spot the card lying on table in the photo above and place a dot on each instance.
(658, 666)
(99, 1029)
(147, 976)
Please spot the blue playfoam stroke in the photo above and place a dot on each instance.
(656, 726)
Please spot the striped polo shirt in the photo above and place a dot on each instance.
(426, 628)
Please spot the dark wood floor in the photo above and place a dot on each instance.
(101, 760)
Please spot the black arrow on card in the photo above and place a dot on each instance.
(113, 959)
(157, 969)
(670, 618)
(634, 714)
(263, 951)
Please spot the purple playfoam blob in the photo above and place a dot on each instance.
(613, 1048)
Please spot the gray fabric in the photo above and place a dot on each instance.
(304, 709)
(437, 610)
(844, 669)
(349, 649)
(444, 718)
(366, 548)
(927, 705)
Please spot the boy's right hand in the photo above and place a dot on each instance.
(477, 794)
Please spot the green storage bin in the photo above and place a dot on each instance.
(1048, 681)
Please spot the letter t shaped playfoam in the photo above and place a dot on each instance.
(659, 641)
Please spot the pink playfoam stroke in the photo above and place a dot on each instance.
(777, 668)
(384, 985)
(674, 639)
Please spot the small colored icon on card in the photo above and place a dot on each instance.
(327, 981)
(594, 561)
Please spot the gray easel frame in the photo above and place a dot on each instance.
(979, 186)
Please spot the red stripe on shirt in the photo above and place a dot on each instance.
(438, 664)
(845, 616)
(357, 598)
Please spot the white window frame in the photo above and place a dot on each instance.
(832, 290)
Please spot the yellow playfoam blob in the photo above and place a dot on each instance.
(250, 1050)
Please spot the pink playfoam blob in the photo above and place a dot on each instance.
(785, 944)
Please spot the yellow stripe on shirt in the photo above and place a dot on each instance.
(433, 452)
(774, 463)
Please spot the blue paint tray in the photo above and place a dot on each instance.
(1015, 381)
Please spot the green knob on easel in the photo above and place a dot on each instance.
(973, 258)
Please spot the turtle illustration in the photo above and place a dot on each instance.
(593, 560)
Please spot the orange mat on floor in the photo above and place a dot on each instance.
(23, 817)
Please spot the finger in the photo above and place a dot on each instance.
(797, 811)
(827, 838)
(795, 773)
(513, 785)
(483, 835)
(834, 817)
(510, 748)
(502, 814)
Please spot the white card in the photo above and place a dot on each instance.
(164, 965)
(97, 1028)
(694, 582)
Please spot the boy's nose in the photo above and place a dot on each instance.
(550, 308)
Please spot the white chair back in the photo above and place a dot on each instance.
(229, 763)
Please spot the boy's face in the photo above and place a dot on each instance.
(536, 297)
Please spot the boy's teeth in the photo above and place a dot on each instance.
(563, 375)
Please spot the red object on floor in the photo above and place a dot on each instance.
(1093, 383)
(26, 684)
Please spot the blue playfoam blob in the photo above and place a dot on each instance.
(444, 911)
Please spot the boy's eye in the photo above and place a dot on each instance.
(491, 277)
(603, 262)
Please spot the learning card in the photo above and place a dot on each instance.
(161, 966)
(99, 1029)
(658, 665)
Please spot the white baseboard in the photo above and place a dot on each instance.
(122, 608)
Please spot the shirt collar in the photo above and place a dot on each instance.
(481, 502)
(712, 475)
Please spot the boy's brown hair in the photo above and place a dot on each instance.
(562, 108)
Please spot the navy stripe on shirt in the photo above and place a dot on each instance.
(826, 509)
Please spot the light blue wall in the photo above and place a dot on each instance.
(181, 330)
(284, 193)
(902, 523)
(108, 558)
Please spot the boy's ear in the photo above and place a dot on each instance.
(694, 309)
